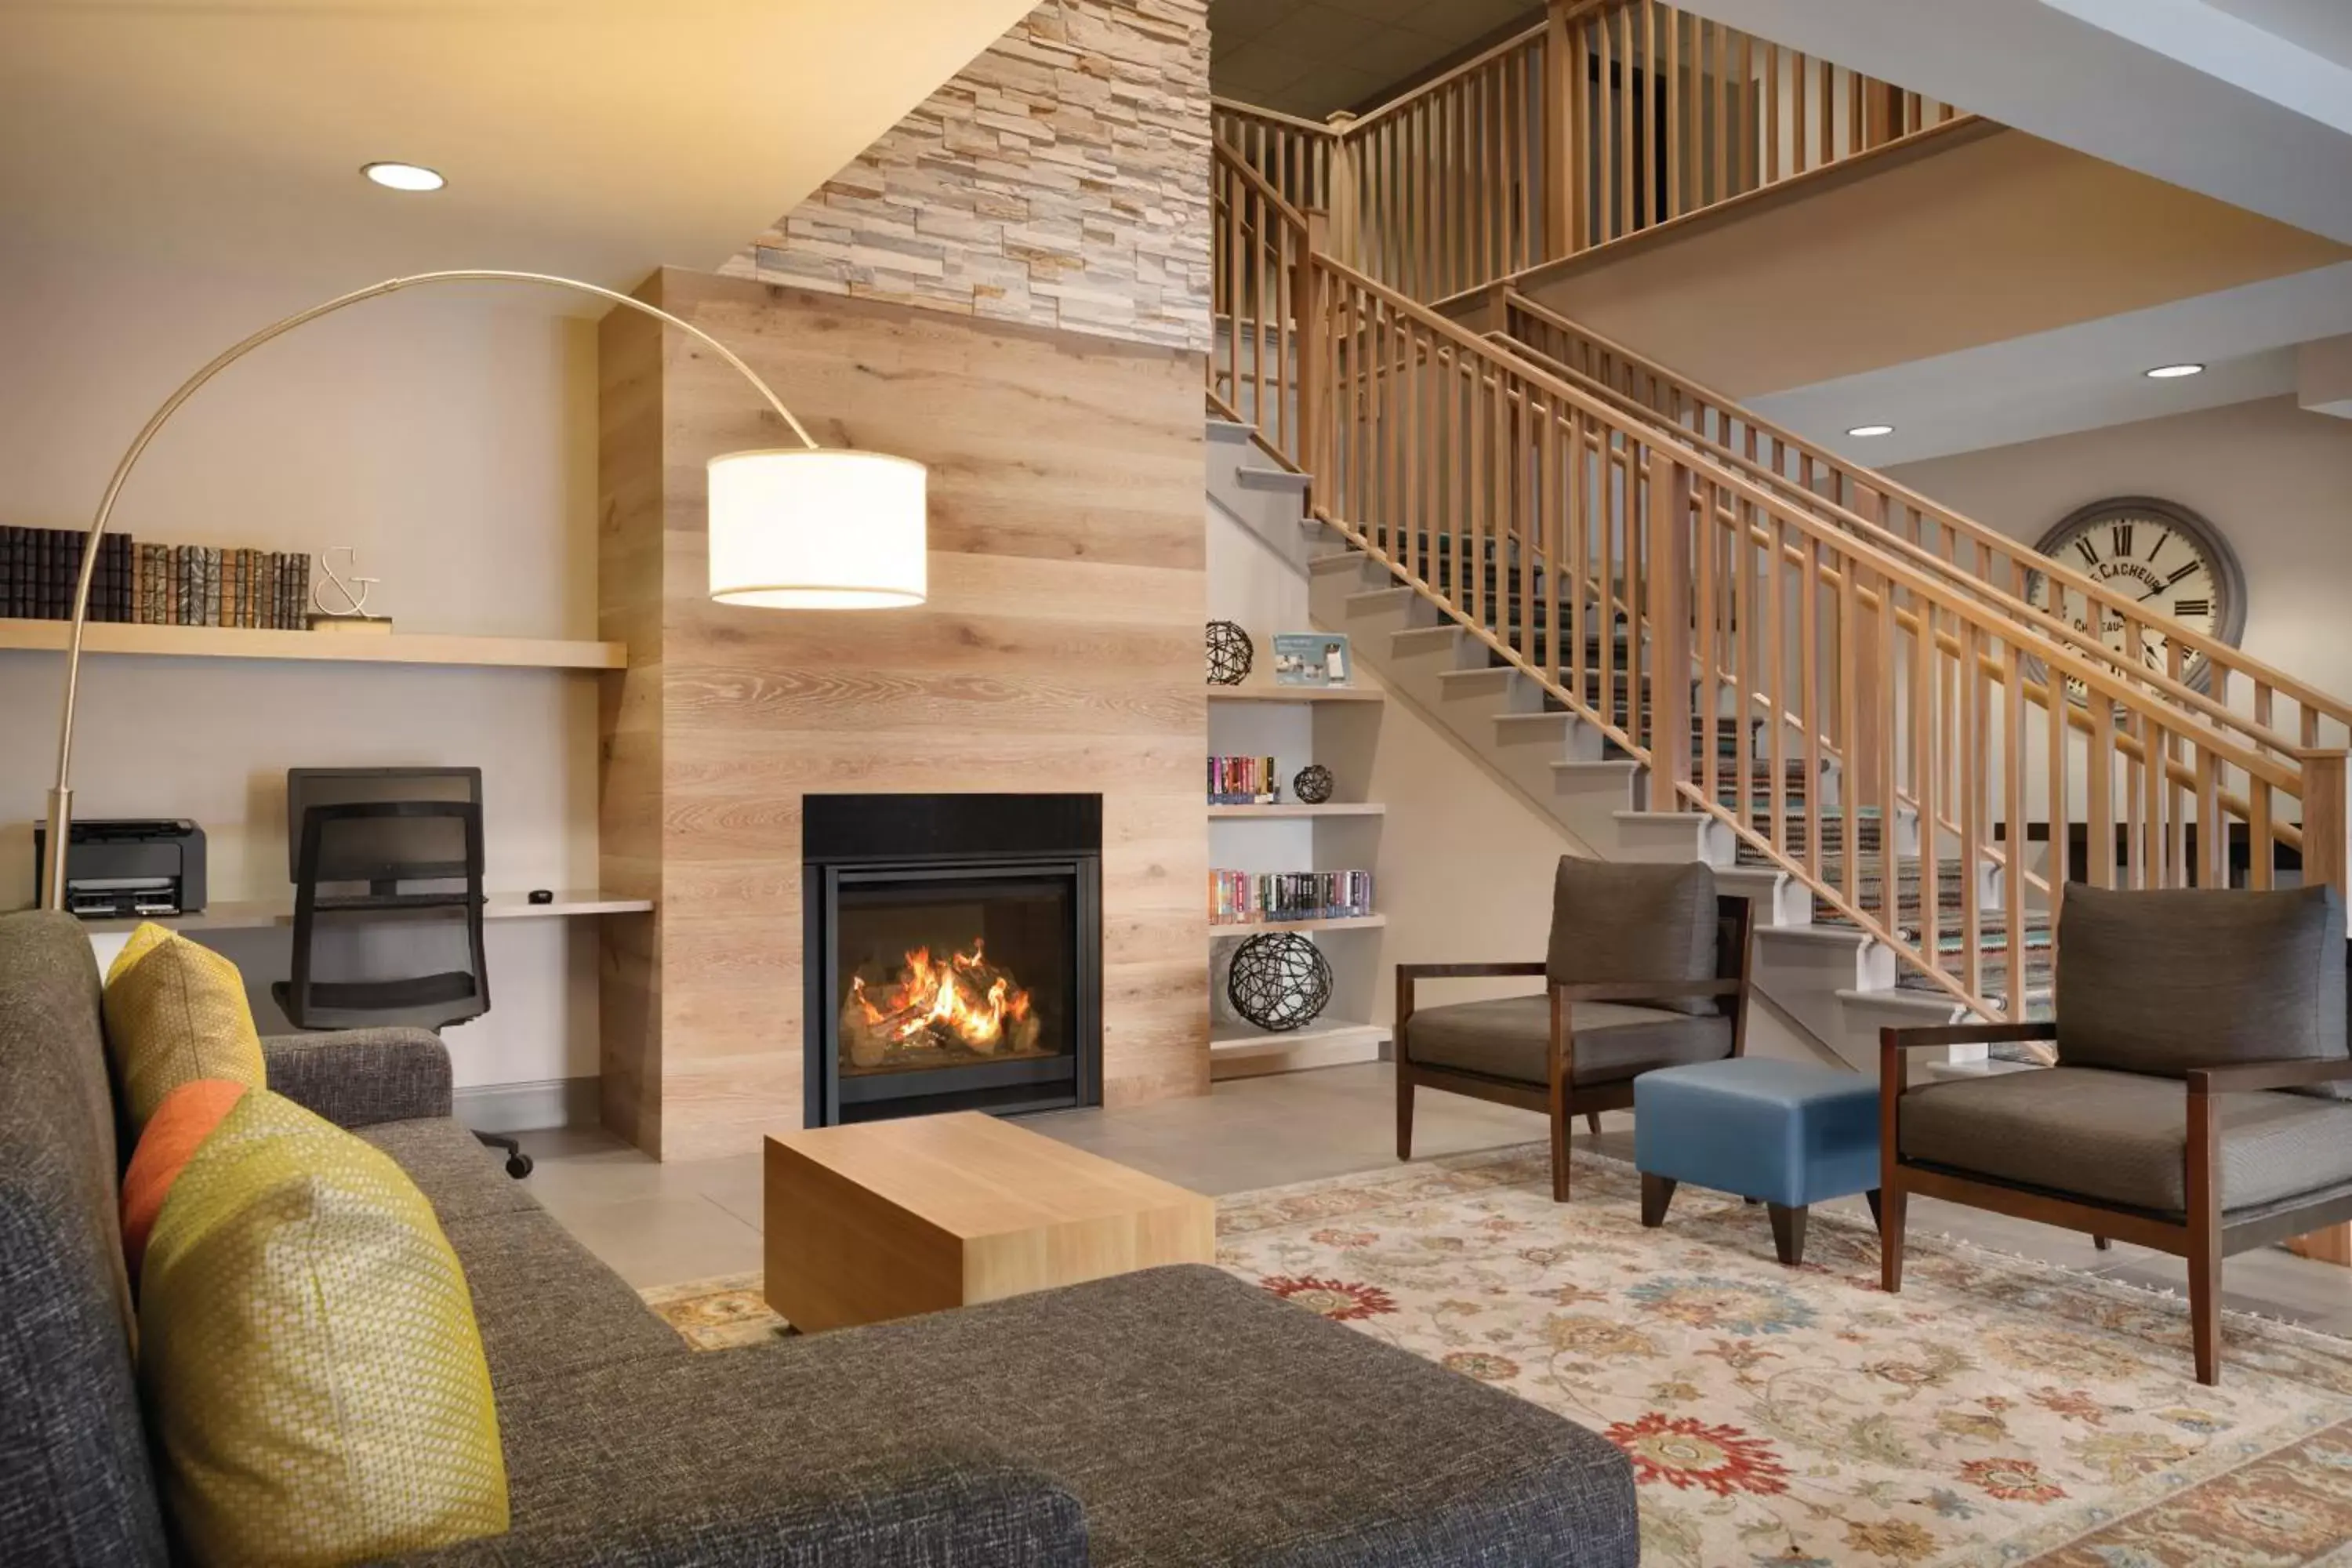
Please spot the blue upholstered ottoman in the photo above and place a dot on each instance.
(1785, 1134)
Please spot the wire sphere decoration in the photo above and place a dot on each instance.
(1313, 784)
(1279, 980)
(1231, 653)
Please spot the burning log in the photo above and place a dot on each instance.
(963, 1000)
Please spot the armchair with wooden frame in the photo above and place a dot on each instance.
(2200, 1037)
(1647, 968)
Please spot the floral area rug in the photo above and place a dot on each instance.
(2000, 1411)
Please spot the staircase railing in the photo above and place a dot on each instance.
(1720, 628)
(2272, 708)
(1609, 118)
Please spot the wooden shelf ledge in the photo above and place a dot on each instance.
(1337, 922)
(1296, 694)
(114, 637)
(1276, 813)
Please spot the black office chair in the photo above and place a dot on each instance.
(420, 862)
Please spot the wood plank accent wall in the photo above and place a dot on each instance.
(1060, 650)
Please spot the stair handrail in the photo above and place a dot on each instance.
(2223, 657)
(2173, 690)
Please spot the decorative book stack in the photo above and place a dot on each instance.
(156, 584)
(1249, 897)
(1243, 780)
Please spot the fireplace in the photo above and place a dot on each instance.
(954, 954)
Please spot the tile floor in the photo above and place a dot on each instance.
(666, 1224)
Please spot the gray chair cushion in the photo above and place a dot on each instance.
(1629, 921)
(75, 1487)
(2161, 981)
(1511, 1038)
(2122, 1137)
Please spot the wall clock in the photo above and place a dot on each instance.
(2166, 557)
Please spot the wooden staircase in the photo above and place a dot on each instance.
(1687, 634)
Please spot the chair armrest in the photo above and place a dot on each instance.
(355, 1077)
(1965, 1034)
(1468, 971)
(1646, 990)
(2294, 1072)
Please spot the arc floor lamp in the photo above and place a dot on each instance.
(804, 527)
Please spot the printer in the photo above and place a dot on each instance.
(124, 868)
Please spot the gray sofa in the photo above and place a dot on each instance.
(1177, 1416)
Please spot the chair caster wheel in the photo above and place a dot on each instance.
(518, 1166)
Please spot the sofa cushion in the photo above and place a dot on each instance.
(2123, 1137)
(2163, 981)
(312, 1373)
(546, 1308)
(175, 1012)
(175, 1133)
(1511, 1038)
(1196, 1419)
(462, 1179)
(75, 1483)
(1629, 921)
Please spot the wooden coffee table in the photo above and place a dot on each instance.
(884, 1219)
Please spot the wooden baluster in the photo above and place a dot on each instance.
(2100, 869)
(1575, 469)
(1879, 721)
(2262, 849)
(1923, 659)
(1971, 975)
(2323, 845)
(1749, 171)
(1776, 656)
(1612, 520)
(1827, 95)
(1859, 773)
(1628, 151)
(1799, 126)
(2054, 708)
(1771, 129)
(1718, 103)
(1809, 677)
(2212, 867)
(1670, 616)
(2012, 811)
(1705, 641)
(2176, 845)
(1677, 104)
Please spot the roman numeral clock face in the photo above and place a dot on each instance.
(2166, 561)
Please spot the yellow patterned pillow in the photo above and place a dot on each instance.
(312, 1373)
(176, 1012)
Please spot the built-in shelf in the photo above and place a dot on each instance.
(1296, 694)
(280, 911)
(1237, 1050)
(1337, 922)
(349, 648)
(1333, 809)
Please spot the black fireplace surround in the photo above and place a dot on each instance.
(954, 954)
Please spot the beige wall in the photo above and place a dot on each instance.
(1060, 179)
(452, 441)
(1990, 238)
(2274, 480)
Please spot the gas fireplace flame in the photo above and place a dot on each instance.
(962, 998)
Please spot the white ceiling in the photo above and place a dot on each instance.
(2197, 92)
(1312, 57)
(599, 139)
(2079, 377)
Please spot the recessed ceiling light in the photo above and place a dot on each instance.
(404, 176)
(2173, 372)
(1872, 430)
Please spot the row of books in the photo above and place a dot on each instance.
(194, 585)
(1243, 781)
(1249, 897)
(40, 567)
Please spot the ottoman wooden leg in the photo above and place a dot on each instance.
(1657, 1192)
(1788, 1232)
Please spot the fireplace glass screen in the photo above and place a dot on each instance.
(940, 971)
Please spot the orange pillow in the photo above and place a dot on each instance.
(183, 1121)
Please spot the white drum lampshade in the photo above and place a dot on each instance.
(824, 529)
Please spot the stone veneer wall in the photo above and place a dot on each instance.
(1060, 179)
